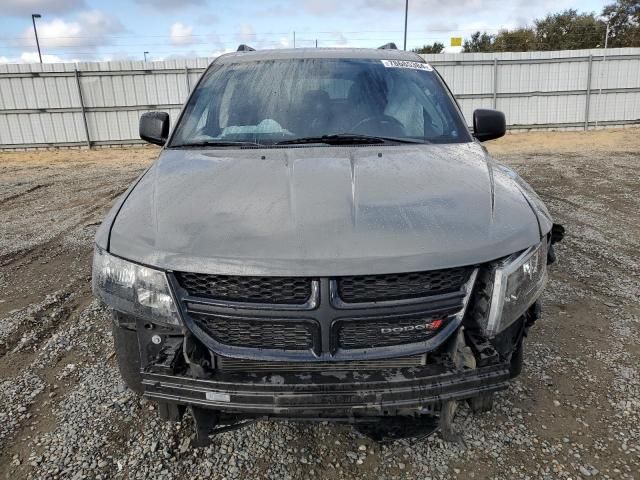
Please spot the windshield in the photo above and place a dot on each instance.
(272, 101)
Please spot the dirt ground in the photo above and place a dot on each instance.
(574, 412)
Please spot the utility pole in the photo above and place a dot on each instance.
(604, 59)
(406, 13)
(316, 43)
(145, 56)
(294, 39)
(35, 30)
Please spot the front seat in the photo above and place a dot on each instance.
(243, 111)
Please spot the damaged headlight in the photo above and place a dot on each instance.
(518, 283)
(131, 288)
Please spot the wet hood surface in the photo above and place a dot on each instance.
(324, 211)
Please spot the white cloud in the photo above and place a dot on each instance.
(217, 53)
(44, 7)
(330, 40)
(89, 30)
(214, 41)
(247, 33)
(322, 7)
(487, 11)
(56, 33)
(32, 57)
(170, 4)
(117, 56)
(181, 34)
(431, 6)
(341, 39)
(490, 13)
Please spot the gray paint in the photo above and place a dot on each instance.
(103, 232)
(325, 211)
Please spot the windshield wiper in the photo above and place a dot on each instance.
(217, 143)
(349, 139)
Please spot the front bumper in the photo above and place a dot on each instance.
(411, 391)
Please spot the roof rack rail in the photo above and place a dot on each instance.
(388, 46)
(245, 48)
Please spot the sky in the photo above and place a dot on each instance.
(99, 30)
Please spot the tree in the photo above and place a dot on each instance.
(518, 40)
(479, 42)
(624, 23)
(569, 30)
(436, 47)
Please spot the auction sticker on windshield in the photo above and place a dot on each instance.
(407, 64)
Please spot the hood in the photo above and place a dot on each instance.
(324, 211)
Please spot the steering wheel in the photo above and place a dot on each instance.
(380, 122)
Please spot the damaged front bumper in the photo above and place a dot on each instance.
(329, 395)
(171, 377)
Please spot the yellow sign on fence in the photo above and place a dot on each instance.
(456, 41)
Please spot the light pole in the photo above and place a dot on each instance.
(35, 30)
(604, 59)
(145, 56)
(406, 13)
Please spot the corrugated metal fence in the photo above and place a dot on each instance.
(564, 89)
(100, 103)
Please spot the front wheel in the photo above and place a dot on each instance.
(481, 404)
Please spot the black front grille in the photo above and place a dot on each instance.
(385, 332)
(318, 316)
(258, 333)
(276, 290)
(401, 286)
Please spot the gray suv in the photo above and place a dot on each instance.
(323, 239)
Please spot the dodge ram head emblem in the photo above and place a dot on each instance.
(420, 327)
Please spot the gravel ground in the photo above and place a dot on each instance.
(574, 412)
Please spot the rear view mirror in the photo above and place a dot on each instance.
(488, 124)
(154, 127)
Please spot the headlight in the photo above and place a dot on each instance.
(517, 285)
(131, 288)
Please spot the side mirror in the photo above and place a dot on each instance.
(154, 127)
(488, 124)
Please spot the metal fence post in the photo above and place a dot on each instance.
(587, 101)
(186, 76)
(495, 83)
(84, 113)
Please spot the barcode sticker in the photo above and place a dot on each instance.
(217, 397)
(407, 64)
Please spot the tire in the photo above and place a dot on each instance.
(125, 342)
(481, 404)
(517, 360)
(170, 412)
